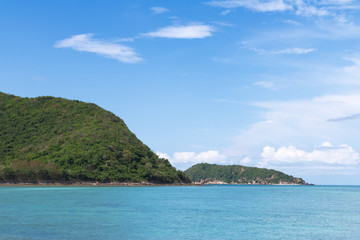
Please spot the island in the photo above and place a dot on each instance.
(56, 140)
(205, 173)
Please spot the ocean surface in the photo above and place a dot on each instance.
(206, 212)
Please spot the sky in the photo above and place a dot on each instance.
(262, 83)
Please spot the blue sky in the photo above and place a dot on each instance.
(266, 83)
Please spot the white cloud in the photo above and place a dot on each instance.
(86, 43)
(183, 157)
(266, 84)
(225, 24)
(303, 9)
(129, 39)
(256, 5)
(294, 51)
(159, 10)
(292, 22)
(225, 12)
(209, 157)
(185, 31)
(326, 144)
(246, 161)
(326, 154)
(185, 160)
(258, 50)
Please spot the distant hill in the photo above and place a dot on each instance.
(56, 139)
(237, 174)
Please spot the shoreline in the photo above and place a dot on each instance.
(124, 184)
(89, 184)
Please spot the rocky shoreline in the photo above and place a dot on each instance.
(86, 184)
(130, 184)
(219, 182)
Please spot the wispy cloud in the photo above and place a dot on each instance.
(351, 117)
(129, 39)
(86, 43)
(190, 31)
(222, 60)
(292, 22)
(225, 24)
(337, 2)
(340, 4)
(299, 7)
(354, 69)
(266, 84)
(159, 10)
(224, 100)
(304, 9)
(256, 5)
(225, 12)
(294, 51)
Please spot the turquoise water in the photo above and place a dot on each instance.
(210, 212)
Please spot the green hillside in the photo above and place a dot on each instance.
(238, 174)
(56, 139)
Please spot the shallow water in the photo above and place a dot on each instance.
(209, 212)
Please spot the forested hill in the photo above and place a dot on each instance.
(56, 139)
(237, 174)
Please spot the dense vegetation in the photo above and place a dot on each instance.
(55, 139)
(205, 172)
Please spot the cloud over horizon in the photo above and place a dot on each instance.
(301, 123)
(86, 43)
(325, 154)
(184, 160)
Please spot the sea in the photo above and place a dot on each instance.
(181, 212)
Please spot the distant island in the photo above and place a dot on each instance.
(205, 173)
(58, 140)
